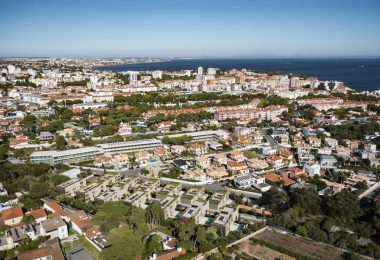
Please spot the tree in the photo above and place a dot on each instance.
(57, 179)
(27, 219)
(307, 199)
(343, 205)
(136, 220)
(60, 143)
(29, 122)
(274, 199)
(110, 214)
(153, 245)
(154, 214)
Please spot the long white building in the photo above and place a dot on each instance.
(53, 157)
(131, 146)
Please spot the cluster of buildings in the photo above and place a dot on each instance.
(52, 222)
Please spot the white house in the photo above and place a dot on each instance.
(312, 169)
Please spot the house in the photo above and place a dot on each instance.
(160, 152)
(224, 221)
(12, 216)
(56, 208)
(275, 161)
(237, 156)
(283, 138)
(202, 162)
(51, 250)
(103, 161)
(237, 167)
(286, 154)
(177, 149)
(351, 144)
(242, 130)
(195, 174)
(335, 187)
(142, 158)
(276, 179)
(164, 126)
(214, 145)
(198, 149)
(293, 173)
(312, 169)
(169, 254)
(182, 164)
(314, 141)
(125, 129)
(96, 238)
(77, 253)
(38, 215)
(19, 140)
(327, 162)
(257, 164)
(55, 227)
(80, 221)
(216, 172)
(249, 180)
(45, 136)
(218, 200)
(267, 150)
(244, 140)
(331, 142)
(121, 160)
(220, 159)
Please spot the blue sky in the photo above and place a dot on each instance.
(189, 28)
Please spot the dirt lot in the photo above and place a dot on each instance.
(261, 252)
(299, 245)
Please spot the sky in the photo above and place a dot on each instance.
(190, 28)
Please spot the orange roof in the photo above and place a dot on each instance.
(171, 254)
(38, 213)
(197, 145)
(92, 232)
(274, 158)
(272, 177)
(81, 219)
(235, 164)
(160, 150)
(12, 213)
(56, 207)
(286, 153)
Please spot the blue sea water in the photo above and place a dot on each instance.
(358, 73)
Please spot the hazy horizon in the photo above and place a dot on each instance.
(272, 28)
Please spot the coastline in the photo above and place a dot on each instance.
(360, 74)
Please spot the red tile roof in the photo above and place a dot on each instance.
(57, 208)
(38, 213)
(12, 213)
(81, 219)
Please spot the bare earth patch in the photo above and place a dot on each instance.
(261, 252)
(316, 250)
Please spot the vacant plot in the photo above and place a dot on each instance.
(302, 246)
(261, 252)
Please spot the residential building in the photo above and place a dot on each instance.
(12, 216)
(249, 180)
(131, 146)
(327, 162)
(312, 169)
(237, 167)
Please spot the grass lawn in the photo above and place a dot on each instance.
(82, 241)
(125, 244)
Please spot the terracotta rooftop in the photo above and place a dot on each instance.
(12, 213)
(38, 213)
(81, 219)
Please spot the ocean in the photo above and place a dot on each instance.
(359, 74)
